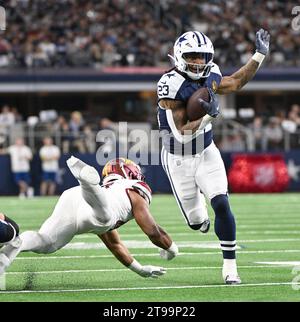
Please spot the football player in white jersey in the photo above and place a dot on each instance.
(190, 159)
(91, 208)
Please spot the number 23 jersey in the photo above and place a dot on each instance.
(174, 85)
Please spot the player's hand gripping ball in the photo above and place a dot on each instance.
(202, 102)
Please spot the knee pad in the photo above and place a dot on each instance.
(7, 232)
(13, 224)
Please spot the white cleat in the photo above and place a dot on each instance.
(232, 280)
(83, 172)
(4, 263)
(205, 226)
(9, 252)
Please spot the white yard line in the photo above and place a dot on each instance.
(193, 234)
(156, 288)
(181, 244)
(281, 263)
(51, 257)
(105, 270)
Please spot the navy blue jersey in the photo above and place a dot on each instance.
(175, 86)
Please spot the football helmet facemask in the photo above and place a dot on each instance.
(121, 168)
(198, 43)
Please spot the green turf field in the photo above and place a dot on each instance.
(268, 230)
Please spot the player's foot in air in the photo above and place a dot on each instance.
(205, 226)
(232, 280)
(83, 172)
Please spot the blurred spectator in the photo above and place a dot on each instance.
(62, 128)
(233, 142)
(49, 154)
(273, 135)
(294, 114)
(76, 127)
(89, 139)
(21, 156)
(96, 33)
(257, 128)
(17, 115)
(7, 118)
(106, 123)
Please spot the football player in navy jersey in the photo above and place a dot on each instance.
(91, 208)
(190, 158)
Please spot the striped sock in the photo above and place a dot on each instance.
(228, 249)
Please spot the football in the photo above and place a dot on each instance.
(194, 108)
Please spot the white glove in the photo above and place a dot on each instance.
(152, 271)
(169, 253)
(147, 271)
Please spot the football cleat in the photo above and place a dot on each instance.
(205, 226)
(83, 172)
(232, 280)
(4, 263)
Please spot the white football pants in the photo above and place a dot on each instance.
(194, 176)
(70, 217)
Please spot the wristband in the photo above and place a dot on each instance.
(173, 249)
(135, 266)
(258, 57)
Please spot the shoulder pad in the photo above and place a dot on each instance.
(169, 84)
(215, 69)
(143, 190)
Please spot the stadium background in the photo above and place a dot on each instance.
(58, 57)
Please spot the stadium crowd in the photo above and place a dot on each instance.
(61, 33)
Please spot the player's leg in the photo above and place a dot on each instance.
(212, 180)
(22, 188)
(92, 193)
(56, 232)
(52, 188)
(43, 188)
(181, 174)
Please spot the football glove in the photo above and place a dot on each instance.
(151, 271)
(169, 253)
(212, 108)
(146, 271)
(262, 41)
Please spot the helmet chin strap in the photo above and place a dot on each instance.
(172, 57)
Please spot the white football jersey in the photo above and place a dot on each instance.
(118, 198)
(119, 205)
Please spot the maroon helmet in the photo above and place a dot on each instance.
(122, 168)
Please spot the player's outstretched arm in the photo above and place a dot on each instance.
(155, 233)
(113, 242)
(236, 81)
